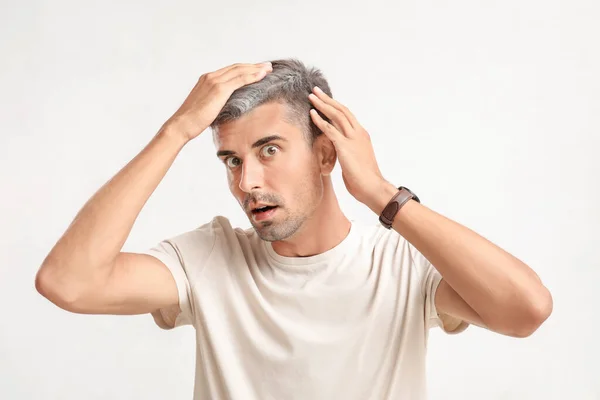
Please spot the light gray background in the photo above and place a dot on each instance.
(489, 110)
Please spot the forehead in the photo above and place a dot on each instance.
(265, 120)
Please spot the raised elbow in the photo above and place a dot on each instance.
(51, 283)
(521, 316)
(537, 311)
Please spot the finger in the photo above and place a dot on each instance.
(336, 116)
(329, 130)
(337, 105)
(239, 69)
(245, 78)
(221, 71)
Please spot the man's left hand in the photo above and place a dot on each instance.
(353, 145)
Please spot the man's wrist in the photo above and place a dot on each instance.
(380, 196)
(172, 133)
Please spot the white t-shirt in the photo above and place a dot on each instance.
(350, 323)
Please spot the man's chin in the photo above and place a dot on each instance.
(266, 234)
(262, 225)
(272, 231)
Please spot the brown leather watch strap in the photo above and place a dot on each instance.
(389, 212)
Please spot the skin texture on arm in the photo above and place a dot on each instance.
(452, 309)
(504, 294)
(482, 283)
(86, 272)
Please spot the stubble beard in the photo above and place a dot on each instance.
(273, 230)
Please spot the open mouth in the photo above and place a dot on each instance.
(263, 213)
(264, 209)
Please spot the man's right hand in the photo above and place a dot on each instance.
(210, 94)
(86, 271)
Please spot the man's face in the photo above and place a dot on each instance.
(270, 163)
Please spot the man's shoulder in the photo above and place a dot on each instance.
(193, 247)
(208, 233)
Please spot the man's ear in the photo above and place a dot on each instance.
(326, 154)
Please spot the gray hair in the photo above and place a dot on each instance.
(289, 83)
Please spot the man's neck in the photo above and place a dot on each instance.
(324, 230)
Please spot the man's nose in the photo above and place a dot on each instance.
(252, 176)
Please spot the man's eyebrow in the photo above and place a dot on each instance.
(258, 143)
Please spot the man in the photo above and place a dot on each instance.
(305, 304)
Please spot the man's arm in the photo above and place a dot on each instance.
(482, 284)
(86, 271)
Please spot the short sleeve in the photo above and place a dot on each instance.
(430, 280)
(168, 318)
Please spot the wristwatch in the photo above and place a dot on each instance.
(389, 212)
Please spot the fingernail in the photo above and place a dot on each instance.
(318, 89)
